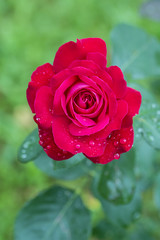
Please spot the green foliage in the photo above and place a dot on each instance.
(30, 35)
(117, 182)
(73, 168)
(54, 214)
(30, 148)
(118, 185)
(135, 52)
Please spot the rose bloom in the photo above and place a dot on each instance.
(81, 105)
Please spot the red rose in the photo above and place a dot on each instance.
(80, 105)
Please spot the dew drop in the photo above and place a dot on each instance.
(78, 146)
(41, 142)
(44, 73)
(37, 119)
(151, 138)
(158, 112)
(59, 154)
(153, 105)
(123, 140)
(140, 130)
(109, 136)
(131, 130)
(116, 156)
(72, 142)
(49, 147)
(116, 143)
(92, 143)
(23, 156)
(99, 144)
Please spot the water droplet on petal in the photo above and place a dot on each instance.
(99, 144)
(44, 73)
(123, 140)
(109, 136)
(78, 146)
(37, 119)
(116, 143)
(41, 142)
(116, 156)
(91, 143)
(49, 147)
(59, 154)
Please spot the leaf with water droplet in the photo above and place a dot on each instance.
(148, 121)
(53, 214)
(69, 169)
(119, 214)
(30, 148)
(117, 182)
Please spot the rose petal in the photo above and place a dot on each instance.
(101, 73)
(65, 55)
(93, 45)
(85, 144)
(119, 84)
(133, 98)
(43, 106)
(79, 131)
(40, 77)
(59, 93)
(119, 142)
(115, 124)
(98, 58)
(43, 74)
(60, 77)
(31, 94)
(52, 150)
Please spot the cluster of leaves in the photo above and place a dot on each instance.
(59, 213)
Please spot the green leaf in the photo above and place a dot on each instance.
(157, 191)
(117, 182)
(144, 157)
(30, 148)
(120, 215)
(75, 167)
(148, 123)
(57, 214)
(135, 52)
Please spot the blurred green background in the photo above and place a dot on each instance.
(30, 34)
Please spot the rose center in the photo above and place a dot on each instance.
(85, 99)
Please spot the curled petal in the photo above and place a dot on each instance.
(40, 77)
(116, 122)
(93, 45)
(43, 74)
(119, 84)
(48, 143)
(133, 98)
(119, 141)
(98, 58)
(65, 55)
(86, 144)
